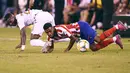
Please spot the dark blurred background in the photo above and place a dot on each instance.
(101, 14)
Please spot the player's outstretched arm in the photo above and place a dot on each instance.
(72, 41)
(23, 39)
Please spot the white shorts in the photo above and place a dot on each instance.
(40, 19)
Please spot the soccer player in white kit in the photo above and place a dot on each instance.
(36, 17)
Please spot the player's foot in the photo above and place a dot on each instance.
(121, 26)
(44, 50)
(118, 41)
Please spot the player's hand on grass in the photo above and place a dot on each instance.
(18, 46)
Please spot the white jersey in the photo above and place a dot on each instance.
(35, 17)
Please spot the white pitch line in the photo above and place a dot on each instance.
(10, 39)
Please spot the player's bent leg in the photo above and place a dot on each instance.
(104, 44)
(107, 33)
(35, 41)
(119, 26)
(101, 45)
(44, 45)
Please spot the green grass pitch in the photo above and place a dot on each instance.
(108, 60)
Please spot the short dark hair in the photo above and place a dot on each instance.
(7, 16)
(47, 25)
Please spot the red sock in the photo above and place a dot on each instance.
(104, 43)
(107, 33)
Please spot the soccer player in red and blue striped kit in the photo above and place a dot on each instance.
(83, 30)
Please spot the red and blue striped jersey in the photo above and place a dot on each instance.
(65, 31)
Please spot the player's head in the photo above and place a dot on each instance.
(48, 29)
(9, 18)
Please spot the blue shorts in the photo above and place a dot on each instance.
(86, 32)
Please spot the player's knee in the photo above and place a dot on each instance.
(97, 39)
(32, 42)
(35, 36)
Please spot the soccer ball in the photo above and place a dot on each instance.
(83, 45)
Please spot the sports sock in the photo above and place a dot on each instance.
(62, 40)
(37, 42)
(104, 43)
(107, 33)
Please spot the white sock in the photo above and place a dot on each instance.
(62, 40)
(37, 42)
(116, 26)
(114, 39)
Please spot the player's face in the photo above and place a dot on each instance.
(11, 19)
(50, 31)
